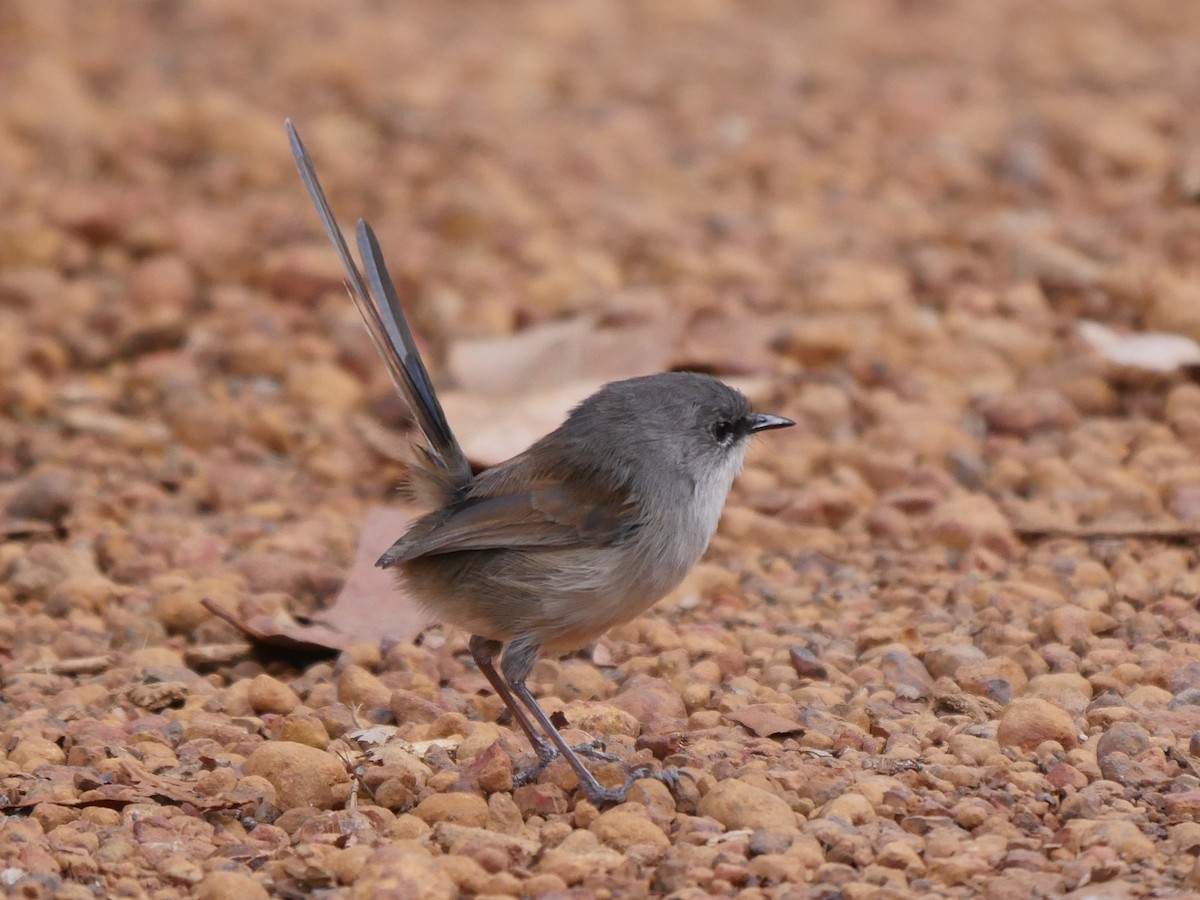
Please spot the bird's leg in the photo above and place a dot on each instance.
(483, 651)
(517, 663)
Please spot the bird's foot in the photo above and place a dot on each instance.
(602, 796)
(548, 753)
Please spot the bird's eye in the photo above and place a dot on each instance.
(722, 431)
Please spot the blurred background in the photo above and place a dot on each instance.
(885, 219)
(900, 222)
(916, 195)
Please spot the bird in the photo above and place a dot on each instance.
(583, 531)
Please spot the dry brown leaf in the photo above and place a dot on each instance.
(131, 783)
(20, 529)
(576, 350)
(766, 719)
(79, 665)
(371, 606)
(542, 373)
(727, 344)
(491, 432)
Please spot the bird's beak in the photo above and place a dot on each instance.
(764, 422)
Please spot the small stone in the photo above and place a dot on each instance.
(395, 795)
(1148, 697)
(457, 808)
(473, 842)
(971, 750)
(653, 703)
(900, 855)
(304, 729)
(52, 815)
(540, 800)
(1069, 690)
(543, 885)
(578, 680)
(226, 885)
(469, 876)
(402, 871)
(630, 833)
(270, 695)
(947, 659)
(1118, 767)
(410, 707)
(323, 385)
(480, 737)
(301, 775)
(1121, 835)
(45, 496)
(970, 813)
(1070, 625)
(737, 805)
(1122, 737)
(1065, 777)
(996, 678)
(358, 687)
(972, 520)
(32, 753)
(806, 664)
(579, 856)
(601, 718)
(905, 674)
(1184, 677)
(1185, 804)
(1028, 722)
(777, 868)
(1027, 412)
(303, 272)
(401, 762)
(492, 769)
(657, 799)
(180, 608)
(84, 592)
(267, 571)
(337, 718)
(763, 841)
(852, 808)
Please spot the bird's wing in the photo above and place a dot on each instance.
(379, 305)
(547, 517)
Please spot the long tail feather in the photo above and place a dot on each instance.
(376, 299)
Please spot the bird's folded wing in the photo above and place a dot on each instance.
(549, 517)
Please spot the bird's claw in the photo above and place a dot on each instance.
(613, 796)
(669, 777)
(548, 753)
(595, 749)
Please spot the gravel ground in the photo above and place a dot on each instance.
(945, 641)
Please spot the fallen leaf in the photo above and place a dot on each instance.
(579, 349)
(1151, 351)
(765, 719)
(79, 665)
(370, 607)
(130, 783)
(19, 529)
(726, 344)
(491, 432)
(543, 372)
(379, 734)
